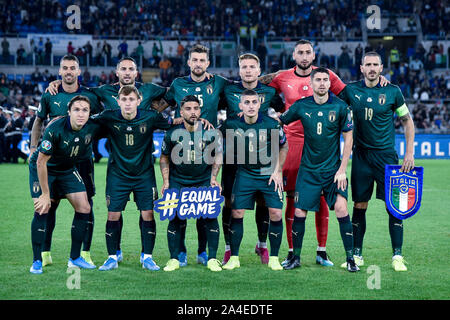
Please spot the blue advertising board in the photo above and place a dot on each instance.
(426, 146)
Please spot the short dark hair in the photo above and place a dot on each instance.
(198, 48)
(127, 90)
(189, 98)
(70, 57)
(249, 92)
(78, 98)
(304, 41)
(126, 58)
(319, 70)
(371, 54)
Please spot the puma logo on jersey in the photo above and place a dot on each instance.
(185, 90)
(57, 103)
(308, 114)
(289, 86)
(359, 97)
(236, 95)
(66, 142)
(117, 127)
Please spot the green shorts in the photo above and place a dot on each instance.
(59, 184)
(309, 187)
(173, 184)
(246, 188)
(367, 167)
(118, 190)
(86, 170)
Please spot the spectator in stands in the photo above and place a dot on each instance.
(36, 76)
(87, 48)
(420, 116)
(155, 54)
(382, 52)
(416, 65)
(70, 48)
(5, 50)
(123, 49)
(21, 55)
(86, 77)
(107, 51)
(164, 66)
(48, 51)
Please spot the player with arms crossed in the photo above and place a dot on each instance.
(52, 106)
(53, 175)
(249, 71)
(208, 89)
(126, 72)
(130, 169)
(373, 109)
(189, 144)
(260, 172)
(321, 171)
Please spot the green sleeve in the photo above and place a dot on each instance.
(344, 95)
(156, 92)
(161, 121)
(43, 107)
(345, 118)
(166, 144)
(291, 115)
(49, 140)
(400, 106)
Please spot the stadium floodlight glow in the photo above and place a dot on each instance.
(388, 38)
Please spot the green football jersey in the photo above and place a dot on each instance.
(108, 94)
(131, 140)
(191, 153)
(57, 105)
(208, 93)
(373, 113)
(65, 145)
(322, 125)
(232, 96)
(250, 145)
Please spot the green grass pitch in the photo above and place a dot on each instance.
(426, 243)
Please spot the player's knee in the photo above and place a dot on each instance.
(237, 214)
(147, 215)
(83, 207)
(275, 214)
(361, 205)
(299, 213)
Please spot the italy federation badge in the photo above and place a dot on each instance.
(403, 191)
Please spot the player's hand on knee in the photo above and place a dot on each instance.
(277, 179)
(42, 204)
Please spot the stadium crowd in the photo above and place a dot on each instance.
(330, 19)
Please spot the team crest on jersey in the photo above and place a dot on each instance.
(403, 191)
(262, 98)
(332, 116)
(87, 139)
(36, 187)
(209, 89)
(143, 128)
(46, 145)
(382, 99)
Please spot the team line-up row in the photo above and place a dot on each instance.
(307, 162)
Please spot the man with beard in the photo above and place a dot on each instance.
(208, 91)
(373, 109)
(198, 168)
(295, 84)
(322, 173)
(126, 72)
(52, 106)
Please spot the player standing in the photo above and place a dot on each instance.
(195, 170)
(373, 109)
(52, 106)
(321, 171)
(130, 169)
(295, 84)
(249, 71)
(253, 133)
